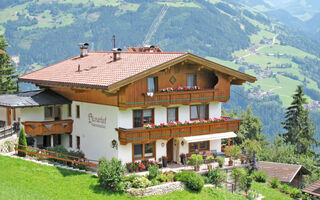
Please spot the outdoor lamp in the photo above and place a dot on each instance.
(114, 144)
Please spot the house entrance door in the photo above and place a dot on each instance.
(170, 150)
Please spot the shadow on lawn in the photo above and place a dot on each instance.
(100, 190)
(68, 172)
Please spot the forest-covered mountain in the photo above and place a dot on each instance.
(251, 36)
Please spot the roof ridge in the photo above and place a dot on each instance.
(139, 52)
(279, 163)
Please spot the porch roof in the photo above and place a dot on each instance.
(214, 136)
(32, 99)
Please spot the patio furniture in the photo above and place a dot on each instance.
(222, 154)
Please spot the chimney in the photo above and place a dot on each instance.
(116, 54)
(83, 49)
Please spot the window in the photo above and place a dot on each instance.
(191, 80)
(198, 112)
(69, 110)
(57, 112)
(200, 146)
(152, 84)
(78, 111)
(56, 140)
(78, 142)
(141, 117)
(70, 141)
(48, 112)
(141, 151)
(172, 114)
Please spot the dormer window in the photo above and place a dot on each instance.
(191, 80)
(152, 84)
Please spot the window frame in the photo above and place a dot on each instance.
(177, 113)
(70, 141)
(78, 111)
(152, 113)
(155, 83)
(198, 145)
(78, 142)
(199, 114)
(143, 157)
(52, 112)
(69, 110)
(194, 80)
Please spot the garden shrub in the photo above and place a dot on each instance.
(140, 182)
(153, 172)
(22, 142)
(162, 178)
(239, 175)
(111, 174)
(182, 176)
(209, 159)
(195, 160)
(194, 182)
(216, 177)
(220, 160)
(285, 188)
(274, 182)
(260, 176)
(295, 193)
(206, 179)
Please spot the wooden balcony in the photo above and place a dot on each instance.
(48, 127)
(181, 97)
(142, 135)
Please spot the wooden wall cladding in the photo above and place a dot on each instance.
(216, 88)
(142, 135)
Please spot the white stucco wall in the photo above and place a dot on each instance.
(215, 145)
(215, 109)
(32, 114)
(3, 114)
(161, 150)
(95, 142)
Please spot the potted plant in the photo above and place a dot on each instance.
(164, 161)
(209, 160)
(220, 161)
(232, 152)
(183, 158)
(196, 161)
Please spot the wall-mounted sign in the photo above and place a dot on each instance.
(97, 121)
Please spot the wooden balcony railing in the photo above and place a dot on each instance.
(181, 97)
(142, 135)
(48, 127)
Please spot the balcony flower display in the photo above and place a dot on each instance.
(178, 123)
(179, 89)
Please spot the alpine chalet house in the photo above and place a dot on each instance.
(140, 104)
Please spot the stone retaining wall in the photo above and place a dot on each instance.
(157, 189)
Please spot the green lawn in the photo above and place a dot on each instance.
(21, 179)
(269, 193)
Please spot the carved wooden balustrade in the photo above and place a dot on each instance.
(48, 127)
(143, 135)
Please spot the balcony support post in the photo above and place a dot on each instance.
(51, 140)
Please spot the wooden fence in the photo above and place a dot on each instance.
(6, 131)
(42, 154)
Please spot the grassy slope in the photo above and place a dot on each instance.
(21, 179)
(269, 193)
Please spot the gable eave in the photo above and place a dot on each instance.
(185, 57)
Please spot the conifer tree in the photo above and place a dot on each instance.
(8, 83)
(22, 142)
(300, 129)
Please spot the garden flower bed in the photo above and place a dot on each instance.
(186, 123)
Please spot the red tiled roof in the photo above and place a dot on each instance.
(313, 189)
(98, 69)
(285, 172)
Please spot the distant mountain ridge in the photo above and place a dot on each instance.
(245, 35)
